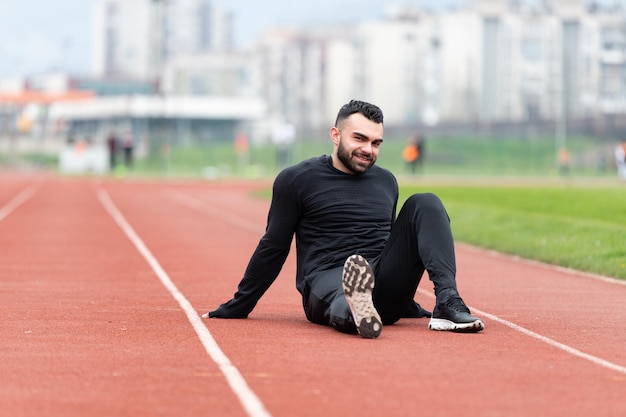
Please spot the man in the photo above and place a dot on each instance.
(358, 267)
(112, 145)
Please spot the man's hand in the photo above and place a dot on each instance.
(226, 311)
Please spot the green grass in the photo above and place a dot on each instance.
(579, 227)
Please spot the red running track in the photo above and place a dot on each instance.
(102, 282)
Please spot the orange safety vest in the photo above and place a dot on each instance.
(410, 153)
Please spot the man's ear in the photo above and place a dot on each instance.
(334, 135)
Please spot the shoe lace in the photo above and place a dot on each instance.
(455, 302)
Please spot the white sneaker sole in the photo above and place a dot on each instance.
(358, 282)
(447, 325)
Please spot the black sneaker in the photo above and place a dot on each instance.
(358, 282)
(452, 314)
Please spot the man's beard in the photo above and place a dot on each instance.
(353, 164)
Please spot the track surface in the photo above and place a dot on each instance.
(102, 282)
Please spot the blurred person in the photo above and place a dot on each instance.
(128, 146)
(602, 162)
(242, 149)
(563, 158)
(283, 137)
(358, 264)
(112, 145)
(413, 152)
(620, 160)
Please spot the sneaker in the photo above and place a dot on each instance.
(358, 282)
(452, 314)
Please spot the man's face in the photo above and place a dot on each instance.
(357, 141)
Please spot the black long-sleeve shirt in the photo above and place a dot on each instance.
(332, 214)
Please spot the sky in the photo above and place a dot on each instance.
(39, 36)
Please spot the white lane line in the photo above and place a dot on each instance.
(251, 403)
(201, 206)
(204, 207)
(16, 201)
(572, 351)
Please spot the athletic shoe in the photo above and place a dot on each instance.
(452, 314)
(358, 282)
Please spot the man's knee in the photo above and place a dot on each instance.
(424, 200)
(425, 205)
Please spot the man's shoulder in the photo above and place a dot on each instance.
(302, 167)
(301, 171)
(311, 163)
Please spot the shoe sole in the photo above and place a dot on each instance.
(447, 325)
(358, 283)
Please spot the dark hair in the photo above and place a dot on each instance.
(370, 111)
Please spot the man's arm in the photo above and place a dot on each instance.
(270, 254)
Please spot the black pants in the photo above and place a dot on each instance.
(420, 240)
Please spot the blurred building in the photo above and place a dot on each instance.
(211, 73)
(161, 67)
(136, 38)
(154, 120)
(491, 62)
(551, 64)
(25, 104)
(67, 108)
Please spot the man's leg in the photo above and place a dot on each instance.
(325, 303)
(342, 298)
(421, 240)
